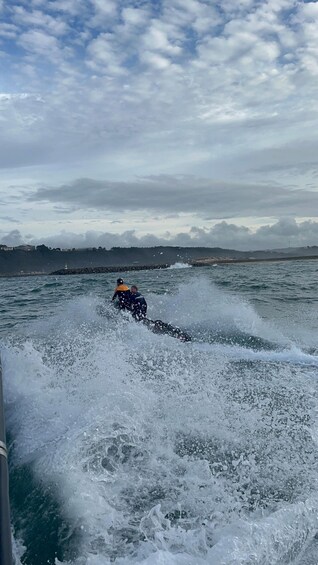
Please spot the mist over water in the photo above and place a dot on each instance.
(129, 447)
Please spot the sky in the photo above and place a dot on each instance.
(149, 122)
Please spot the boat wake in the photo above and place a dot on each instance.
(129, 447)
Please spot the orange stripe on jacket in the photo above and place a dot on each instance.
(121, 288)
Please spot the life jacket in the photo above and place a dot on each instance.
(121, 288)
(123, 294)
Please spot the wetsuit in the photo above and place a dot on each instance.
(122, 292)
(138, 305)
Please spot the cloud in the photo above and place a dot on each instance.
(39, 43)
(13, 238)
(105, 54)
(282, 234)
(135, 17)
(9, 219)
(70, 7)
(238, 52)
(104, 9)
(8, 31)
(157, 39)
(171, 194)
(38, 19)
(188, 89)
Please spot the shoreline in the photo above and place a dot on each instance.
(209, 262)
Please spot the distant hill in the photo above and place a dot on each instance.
(26, 260)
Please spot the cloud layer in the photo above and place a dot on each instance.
(185, 106)
(282, 234)
(173, 194)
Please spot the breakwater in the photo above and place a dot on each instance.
(204, 262)
(116, 269)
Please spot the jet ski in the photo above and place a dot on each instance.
(160, 327)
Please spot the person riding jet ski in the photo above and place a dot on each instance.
(138, 304)
(122, 292)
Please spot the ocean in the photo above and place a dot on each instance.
(128, 447)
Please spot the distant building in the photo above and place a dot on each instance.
(5, 247)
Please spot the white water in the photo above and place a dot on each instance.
(180, 266)
(162, 452)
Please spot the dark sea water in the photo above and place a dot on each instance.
(128, 447)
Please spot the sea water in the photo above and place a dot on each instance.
(129, 447)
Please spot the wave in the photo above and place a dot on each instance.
(207, 311)
(180, 266)
(143, 449)
(292, 355)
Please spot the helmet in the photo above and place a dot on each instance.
(120, 281)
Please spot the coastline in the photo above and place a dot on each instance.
(207, 262)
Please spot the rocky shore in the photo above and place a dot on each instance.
(95, 270)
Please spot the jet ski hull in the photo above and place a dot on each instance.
(160, 327)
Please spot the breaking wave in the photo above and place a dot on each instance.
(138, 448)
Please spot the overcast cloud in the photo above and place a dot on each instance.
(167, 194)
(282, 234)
(124, 117)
